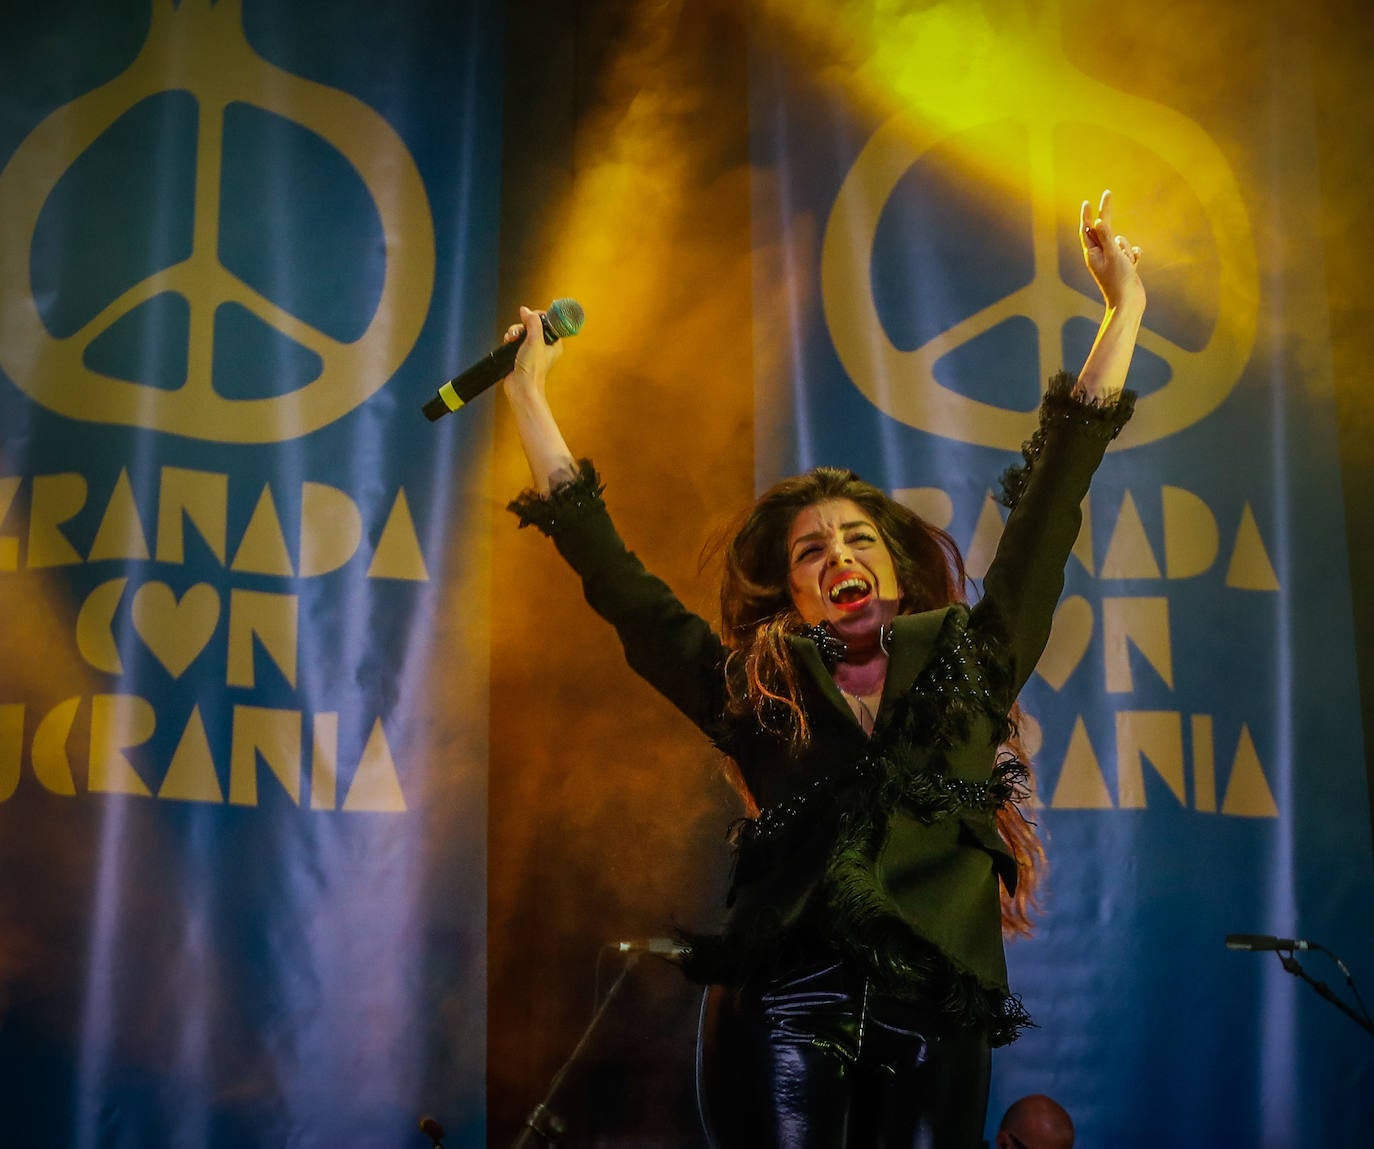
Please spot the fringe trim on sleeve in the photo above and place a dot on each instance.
(567, 501)
(1061, 407)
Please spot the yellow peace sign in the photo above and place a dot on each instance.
(1040, 94)
(201, 48)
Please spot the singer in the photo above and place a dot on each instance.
(869, 715)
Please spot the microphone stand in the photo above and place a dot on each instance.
(1290, 963)
(542, 1120)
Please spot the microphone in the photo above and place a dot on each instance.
(664, 947)
(564, 317)
(433, 1130)
(1264, 943)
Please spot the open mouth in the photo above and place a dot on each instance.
(850, 592)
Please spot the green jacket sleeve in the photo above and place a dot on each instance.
(1026, 577)
(667, 645)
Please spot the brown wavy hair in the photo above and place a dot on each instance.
(757, 613)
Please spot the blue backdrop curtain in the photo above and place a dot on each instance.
(243, 835)
(262, 632)
(1197, 712)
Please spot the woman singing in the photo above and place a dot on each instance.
(868, 711)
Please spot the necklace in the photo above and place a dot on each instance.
(862, 711)
(833, 648)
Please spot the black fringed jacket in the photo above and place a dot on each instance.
(880, 849)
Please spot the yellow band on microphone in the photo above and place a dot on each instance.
(451, 398)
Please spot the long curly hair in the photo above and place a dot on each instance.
(757, 614)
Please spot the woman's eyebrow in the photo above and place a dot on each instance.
(815, 535)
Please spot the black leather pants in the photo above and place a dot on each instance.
(813, 1060)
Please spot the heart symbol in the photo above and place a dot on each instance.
(176, 632)
(1069, 638)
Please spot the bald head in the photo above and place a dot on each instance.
(1036, 1122)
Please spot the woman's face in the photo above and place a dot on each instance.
(840, 570)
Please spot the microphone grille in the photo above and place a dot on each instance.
(566, 317)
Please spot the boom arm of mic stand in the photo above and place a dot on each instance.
(542, 1120)
(1290, 963)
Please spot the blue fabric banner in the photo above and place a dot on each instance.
(242, 767)
(1195, 717)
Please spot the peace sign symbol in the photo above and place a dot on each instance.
(903, 383)
(201, 48)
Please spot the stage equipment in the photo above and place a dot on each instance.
(1284, 947)
(1263, 942)
(542, 1121)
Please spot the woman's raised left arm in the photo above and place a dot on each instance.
(1112, 261)
(1077, 421)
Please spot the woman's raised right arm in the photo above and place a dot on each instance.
(545, 449)
(669, 646)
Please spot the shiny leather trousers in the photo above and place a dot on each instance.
(813, 1060)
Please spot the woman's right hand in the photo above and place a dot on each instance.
(550, 460)
(534, 358)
